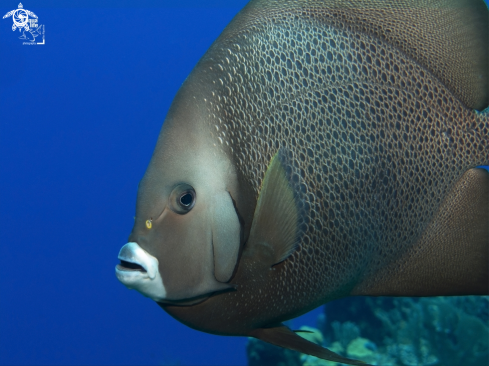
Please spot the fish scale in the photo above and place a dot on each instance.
(379, 131)
(340, 139)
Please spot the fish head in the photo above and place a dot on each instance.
(187, 234)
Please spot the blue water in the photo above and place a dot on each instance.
(79, 118)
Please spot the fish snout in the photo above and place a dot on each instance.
(138, 270)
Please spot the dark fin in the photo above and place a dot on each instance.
(283, 337)
(274, 231)
(448, 37)
(302, 331)
(452, 255)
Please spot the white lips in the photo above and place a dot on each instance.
(148, 283)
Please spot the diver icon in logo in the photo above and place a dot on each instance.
(26, 20)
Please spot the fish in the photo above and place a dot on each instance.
(29, 35)
(319, 149)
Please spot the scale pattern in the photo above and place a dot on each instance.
(375, 141)
(435, 33)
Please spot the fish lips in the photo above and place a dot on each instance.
(138, 270)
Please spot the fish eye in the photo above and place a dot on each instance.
(182, 199)
(186, 199)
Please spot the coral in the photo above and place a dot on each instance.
(311, 334)
(456, 337)
(427, 331)
(315, 336)
(314, 361)
(359, 311)
(361, 348)
(345, 332)
(432, 331)
(448, 331)
(261, 353)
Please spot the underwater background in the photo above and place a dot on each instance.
(79, 119)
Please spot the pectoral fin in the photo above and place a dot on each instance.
(283, 337)
(274, 231)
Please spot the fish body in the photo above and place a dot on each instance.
(320, 149)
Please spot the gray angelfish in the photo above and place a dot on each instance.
(319, 149)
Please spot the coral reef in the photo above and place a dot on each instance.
(260, 353)
(448, 331)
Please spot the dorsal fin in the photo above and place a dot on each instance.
(448, 37)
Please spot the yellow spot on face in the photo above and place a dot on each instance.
(149, 224)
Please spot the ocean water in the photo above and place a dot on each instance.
(79, 118)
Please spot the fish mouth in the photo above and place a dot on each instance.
(138, 270)
(129, 266)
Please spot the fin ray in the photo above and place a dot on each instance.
(275, 222)
(283, 337)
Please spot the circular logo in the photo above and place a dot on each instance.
(20, 18)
